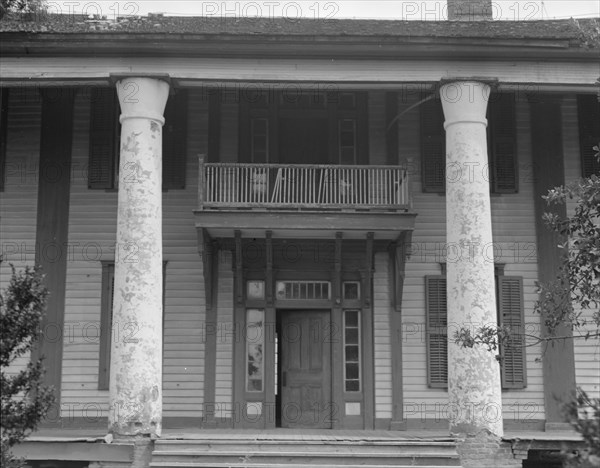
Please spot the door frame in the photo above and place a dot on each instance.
(270, 273)
(327, 372)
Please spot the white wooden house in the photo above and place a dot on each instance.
(295, 248)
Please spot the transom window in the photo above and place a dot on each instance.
(303, 290)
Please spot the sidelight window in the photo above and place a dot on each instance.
(254, 350)
(352, 351)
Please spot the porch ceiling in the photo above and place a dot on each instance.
(385, 225)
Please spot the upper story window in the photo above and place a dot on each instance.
(300, 126)
(105, 132)
(588, 111)
(502, 145)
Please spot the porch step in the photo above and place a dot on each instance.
(285, 453)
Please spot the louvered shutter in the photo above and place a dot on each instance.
(106, 307)
(433, 147)
(3, 131)
(589, 133)
(104, 128)
(502, 144)
(437, 331)
(510, 313)
(174, 149)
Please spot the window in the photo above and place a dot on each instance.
(303, 127)
(437, 331)
(3, 129)
(315, 290)
(106, 316)
(105, 133)
(254, 350)
(509, 294)
(352, 351)
(502, 155)
(351, 290)
(588, 108)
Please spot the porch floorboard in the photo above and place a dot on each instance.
(91, 435)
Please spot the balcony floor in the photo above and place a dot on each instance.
(307, 224)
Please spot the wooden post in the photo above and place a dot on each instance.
(269, 273)
(368, 377)
(239, 291)
(201, 182)
(337, 355)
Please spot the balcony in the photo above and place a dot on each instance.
(316, 199)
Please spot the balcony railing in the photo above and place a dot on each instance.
(296, 186)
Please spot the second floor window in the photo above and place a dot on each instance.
(105, 132)
(303, 127)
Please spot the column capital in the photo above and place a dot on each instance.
(143, 97)
(464, 101)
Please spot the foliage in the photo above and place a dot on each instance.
(24, 400)
(578, 279)
(22, 6)
(583, 413)
(589, 32)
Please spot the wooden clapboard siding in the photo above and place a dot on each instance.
(587, 353)
(92, 228)
(381, 332)
(18, 201)
(225, 338)
(381, 299)
(514, 233)
(183, 349)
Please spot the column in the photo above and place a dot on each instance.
(136, 345)
(474, 387)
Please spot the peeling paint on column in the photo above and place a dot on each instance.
(136, 348)
(474, 388)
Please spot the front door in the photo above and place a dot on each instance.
(305, 369)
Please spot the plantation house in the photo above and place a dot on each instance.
(266, 231)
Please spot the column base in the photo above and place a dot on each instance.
(485, 450)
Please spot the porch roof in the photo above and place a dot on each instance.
(70, 50)
(239, 36)
(155, 25)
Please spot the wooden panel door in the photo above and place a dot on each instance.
(306, 370)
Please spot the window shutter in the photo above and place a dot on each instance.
(214, 125)
(106, 307)
(510, 313)
(3, 130)
(433, 147)
(589, 133)
(362, 130)
(174, 149)
(502, 151)
(437, 331)
(104, 128)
